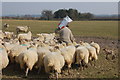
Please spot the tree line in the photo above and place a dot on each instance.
(60, 14)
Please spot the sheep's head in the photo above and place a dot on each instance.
(81, 42)
(92, 41)
(105, 49)
(64, 44)
(56, 47)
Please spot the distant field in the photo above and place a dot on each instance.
(93, 31)
(81, 28)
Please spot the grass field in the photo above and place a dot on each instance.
(81, 28)
(92, 30)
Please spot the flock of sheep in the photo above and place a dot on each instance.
(44, 51)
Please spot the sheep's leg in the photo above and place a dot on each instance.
(69, 66)
(22, 65)
(80, 65)
(56, 74)
(26, 73)
(107, 57)
(94, 63)
(11, 59)
(113, 57)
(83, 65)
(39, 70)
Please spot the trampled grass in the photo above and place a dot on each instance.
(81, 28)
(104, 68)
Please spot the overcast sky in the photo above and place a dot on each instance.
(98, 8)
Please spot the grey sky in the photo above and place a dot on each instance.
(18, 8)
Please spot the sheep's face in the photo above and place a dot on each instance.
(104, 49)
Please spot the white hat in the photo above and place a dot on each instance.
(65, 21)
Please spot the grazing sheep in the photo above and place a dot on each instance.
(1, 42)
(8, 35)
(1, 35)
(26, 36)
(28, 58)
(41, 51)
(109, 52)
(40, 37)
(15, 51)
(22, 29)
(9, 45)
(69, 55)
(6, 25)
(54, 61)
(96, 46)
(82, 55)
(92, 51)
(4, 61)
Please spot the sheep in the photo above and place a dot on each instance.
(109, 52)
(15, 51)
(92, 51)
(6, 25)
(8, 35)
(54, 61)
(1, 42)
(4, 61)
(28, 58)
(82, 55)
(41, 51)
(96, 46)
(9, 45)
(69, 55)
(26, 36)
(40, 37)
(48, 37)
(22, 29)
(1, 35)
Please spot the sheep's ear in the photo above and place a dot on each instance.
(92, 41)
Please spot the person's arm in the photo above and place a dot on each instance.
(72, 37)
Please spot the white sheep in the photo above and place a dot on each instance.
(6, 25)
(1, 42)
(26, 36)
(22, 29)
(69, 55)
(92, 51)
(54, 61)
(82, 55)
(9, 35)
(9, 46)
(96, 46)
(15, 51)
(40, 37)
(4, 61)
(42, 51)
(1, 35)
(28, 58)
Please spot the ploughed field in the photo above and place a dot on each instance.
(105, 33)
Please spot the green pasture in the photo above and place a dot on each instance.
(79, 28)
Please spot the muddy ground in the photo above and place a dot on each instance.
(103, 68)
